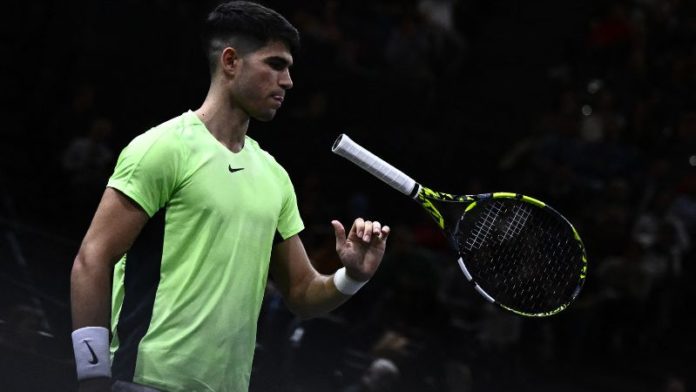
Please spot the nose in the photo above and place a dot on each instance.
(285, 81)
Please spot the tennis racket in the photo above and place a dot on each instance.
(518, 252)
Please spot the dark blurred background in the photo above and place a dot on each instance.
(588, 105)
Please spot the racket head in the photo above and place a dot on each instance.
(517, 251)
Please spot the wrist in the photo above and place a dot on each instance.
(345, 284)
(91, 349)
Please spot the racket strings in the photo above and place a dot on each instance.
(482, 228)
(520, 216)
(522, 255)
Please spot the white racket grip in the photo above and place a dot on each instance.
(347, 148)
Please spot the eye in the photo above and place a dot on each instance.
(277, 64)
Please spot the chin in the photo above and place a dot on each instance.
(265, 117)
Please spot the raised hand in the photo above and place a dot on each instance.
(362, 250)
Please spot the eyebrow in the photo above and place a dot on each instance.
(286, 62)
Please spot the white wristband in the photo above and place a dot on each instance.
(91, 348)
(345, 284)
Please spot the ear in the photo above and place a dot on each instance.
(229, 61)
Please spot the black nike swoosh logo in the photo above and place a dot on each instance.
(232, 170)
(94, 359)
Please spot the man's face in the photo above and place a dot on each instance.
(262, 79)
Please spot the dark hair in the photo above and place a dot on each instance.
(245, 26)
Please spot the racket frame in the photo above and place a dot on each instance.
(347, 148)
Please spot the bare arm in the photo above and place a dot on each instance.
(308, 293)
(116, 223)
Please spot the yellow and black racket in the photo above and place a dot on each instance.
(517, 251)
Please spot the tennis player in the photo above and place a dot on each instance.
(168, 282)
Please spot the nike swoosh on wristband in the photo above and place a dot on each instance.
(94, 359)
(232, 170)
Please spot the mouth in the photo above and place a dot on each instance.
(278, 99)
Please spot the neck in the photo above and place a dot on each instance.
(227, 123)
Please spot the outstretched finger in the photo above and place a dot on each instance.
(340, 233)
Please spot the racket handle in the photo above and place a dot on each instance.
(347, 148)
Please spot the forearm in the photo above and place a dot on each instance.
(90, 292)
(316, 297)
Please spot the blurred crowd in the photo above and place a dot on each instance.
(588, 105)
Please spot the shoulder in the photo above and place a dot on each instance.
(265, 156)
(170, 130)
(163, 138)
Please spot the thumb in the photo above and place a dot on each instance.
(340, 232)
